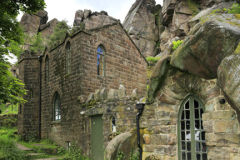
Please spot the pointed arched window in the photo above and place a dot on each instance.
(47, 68)
(68, 57)
(100, 61)
(191, 136)
(56, 107)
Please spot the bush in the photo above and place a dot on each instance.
(9, 151)
(75, 153)
(235, 9)
(152, 59)
(59, 32)
(176, 44)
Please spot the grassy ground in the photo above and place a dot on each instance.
(9, 108)
(8, 149)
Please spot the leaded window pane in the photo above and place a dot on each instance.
(191, 134)
(100, 61)
(57, 111)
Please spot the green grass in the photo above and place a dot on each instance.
(8, 148)
(9, 109)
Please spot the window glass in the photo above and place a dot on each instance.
(57, 112)
(113, 124)
(100, 61)
(190, 131)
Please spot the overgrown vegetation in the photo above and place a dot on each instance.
(11, 39)
(59, 32)
(193, 7)
(152, 59)
(9, 151)
(8, 108)
(75, 153)
(235, 9)
(176, 44)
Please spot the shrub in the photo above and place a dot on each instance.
(152, 59)
(59, 32)
(176, 44)
(235, 9)
(36, 43)
(9, 151)
(75, 153)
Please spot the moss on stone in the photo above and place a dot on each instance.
(237, 16)
(193, 7)
(237, 51)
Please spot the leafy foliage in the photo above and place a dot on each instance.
(11, 39)
(8, 150)
(176, 44)
(76, 153)
(121, 156)
(235, 9)
(133, 155)
(36, 43)
(59, 32)
(152, 59)
(11, 89)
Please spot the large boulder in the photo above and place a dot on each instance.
(140, 23)
(47, 29)
(93, 20)
(229, 79)
(32, 22)
(201, 54)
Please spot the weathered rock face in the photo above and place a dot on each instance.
(93, 20)
(47, 29)
(202, 53)
(32, 22)
(140, 23)
(229, 78)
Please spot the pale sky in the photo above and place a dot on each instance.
(65, 9)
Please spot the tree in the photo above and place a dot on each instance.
(59, 32)
(11, 37)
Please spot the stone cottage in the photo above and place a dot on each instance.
(92, 80)
(99, 59)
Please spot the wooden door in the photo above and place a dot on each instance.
(97, 137)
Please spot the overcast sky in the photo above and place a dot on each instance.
(65, 9)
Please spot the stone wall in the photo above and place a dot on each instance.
(124, 65)
(28, 112)
(160, 119)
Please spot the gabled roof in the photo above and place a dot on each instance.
(68, 34)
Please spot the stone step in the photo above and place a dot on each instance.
(23, 148)
(35, 154)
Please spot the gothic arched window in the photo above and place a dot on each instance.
(47, 68)
(56, 107)
(100, 61)
(68, 57)
(191, 136)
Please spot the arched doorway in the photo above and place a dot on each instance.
(191, 136)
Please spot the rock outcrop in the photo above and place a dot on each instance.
(140, 24)
(93, 19)
(210, 50)
(35, 23)
(32, 22)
